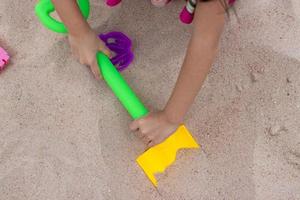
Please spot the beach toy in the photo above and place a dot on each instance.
(121, 45)
(112, 2)
(44, 8)
(158, 158)
(117, 42)
(4, 58)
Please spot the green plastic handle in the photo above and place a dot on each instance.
(113, 78)
(120, 88)
(44, 8)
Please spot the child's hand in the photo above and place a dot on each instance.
(85, 46)
(154, 128)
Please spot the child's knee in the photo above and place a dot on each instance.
(160, 3)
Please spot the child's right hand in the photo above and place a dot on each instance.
(85, 46)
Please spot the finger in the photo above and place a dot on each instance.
(95, 70)
(134, 126)
(153, 143)
(150, 144)
(146, 140)
(81, 61)
(98, 71)
(105, 50)
(156, 139)
(75, 53)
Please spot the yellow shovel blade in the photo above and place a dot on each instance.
(158, 158)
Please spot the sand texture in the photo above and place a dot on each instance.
(64, 136)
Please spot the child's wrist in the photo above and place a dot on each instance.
(173, 117)
(80, 31)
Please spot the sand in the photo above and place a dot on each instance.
(64, 136)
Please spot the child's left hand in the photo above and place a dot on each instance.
(154, 128)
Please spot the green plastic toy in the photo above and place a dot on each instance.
(120, 88)
(113, 78)
(44, 8)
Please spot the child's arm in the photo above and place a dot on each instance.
(83, 40)
(208, 26)
(71, 16)
(202, 49)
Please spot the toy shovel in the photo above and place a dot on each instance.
(158, 158)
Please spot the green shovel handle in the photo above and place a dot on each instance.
(113, 78)
(44, 8)
(120, 88)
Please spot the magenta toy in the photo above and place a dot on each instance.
(4, 58)
(121, 45)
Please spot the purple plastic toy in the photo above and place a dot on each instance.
(120, 44)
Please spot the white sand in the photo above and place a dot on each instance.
(64, 136)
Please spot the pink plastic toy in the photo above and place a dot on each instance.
(112, 2)
(4, 57)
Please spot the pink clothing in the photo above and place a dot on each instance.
(160, 3)
(231, 2)
(187, 14)
(154, 2)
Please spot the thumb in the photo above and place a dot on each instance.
(95, 69)
(107, 52)
(103, 48)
